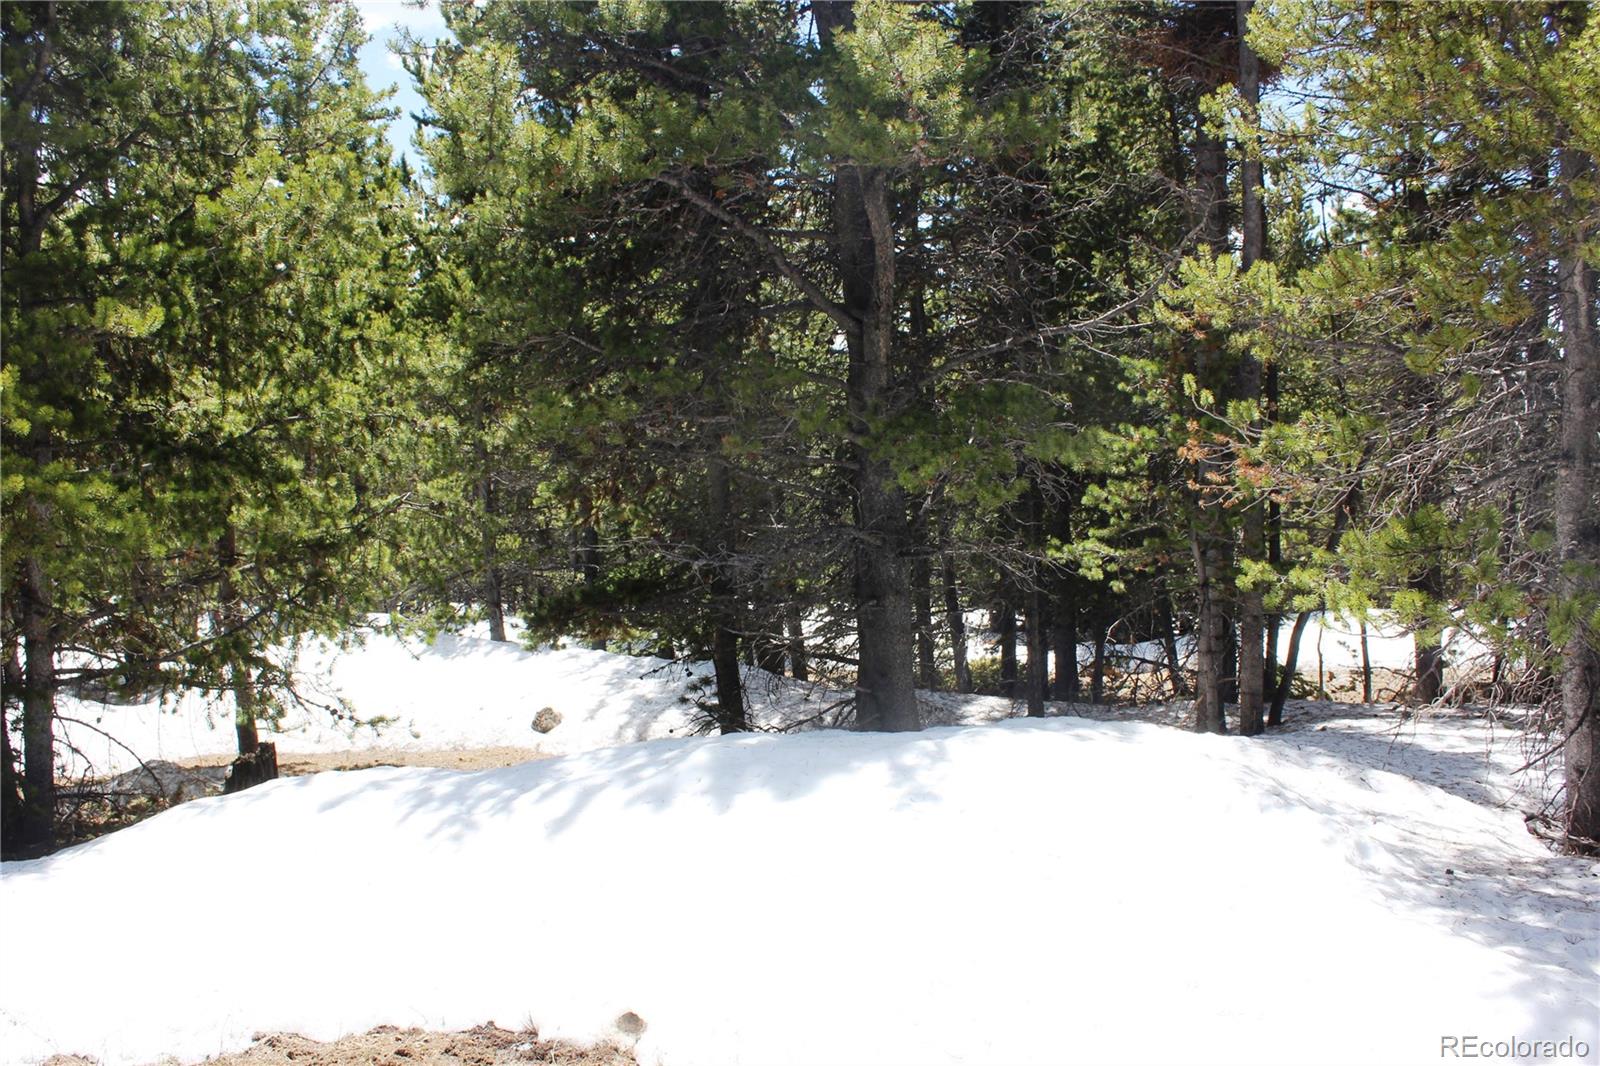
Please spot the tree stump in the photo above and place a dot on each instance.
(252, 769)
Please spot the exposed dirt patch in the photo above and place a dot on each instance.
(293, 764)
(91, 808)
(446, 759)
(485, 1045)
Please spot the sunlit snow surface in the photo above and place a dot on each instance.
(1350, 889)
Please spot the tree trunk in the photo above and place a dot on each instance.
(921, 580)
(1429, 684)
(1577, 507)
(1366, 666)
(589, 555)
(252, 768)
(1065, 639)
(244, 709)
(863, 230)
(35, 592)
(725, 605)
(1097, 679)
(11, 681)
(1322, 674)
(956, 623)
(1207, 534)
(1169, 641)
(1274, 544)
(1280, 695)
(228, 616)
(11, 831)
(1038, 649)
(493, 596)
(919, 386)
(1208, 711)
(1064, 608)
(1230, 660)
(1252, 614)
(730, 690)
(1006, 624)
(799, 669)
(38, 711)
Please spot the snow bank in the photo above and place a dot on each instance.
(1038, 891)
(462, 690)
(459, 690)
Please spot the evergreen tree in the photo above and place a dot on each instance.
(1453, 278)
(198, 261)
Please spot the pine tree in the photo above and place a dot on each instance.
(196, 257)
(1460, 232)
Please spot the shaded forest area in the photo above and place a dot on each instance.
(789, 334)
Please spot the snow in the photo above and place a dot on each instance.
(459, 690)
(1335, 638)
(1350, 889)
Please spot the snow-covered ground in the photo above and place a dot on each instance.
(1330, 642)
(458, 691)
(464, 691)
(1351, 889)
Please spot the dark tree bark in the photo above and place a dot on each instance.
(1429, 657)
(921, 582)
(1038, 649)
(1064, 613)
(730, 689)
(1169, 642)
(956, 623)
(1064, 637)
(1280, 695)
(1208, 538)
(919, 356)
(1429, 684)
(252, 768)
(10, 795)
(588, 555)
(1366, 666)
(799, 668)
(241, 679)
(493, 594)
(1006, 625)
(1230, 661)
(1274, 545)
(35, 590)
(1097, 679)
(1252, 613)
(863, 231)
(245, 729)
(11, 829)
(1209, 620)
(1577, 506)
(725, 606)
(38, 710)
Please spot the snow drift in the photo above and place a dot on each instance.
(1028, 892)
(457, 691)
